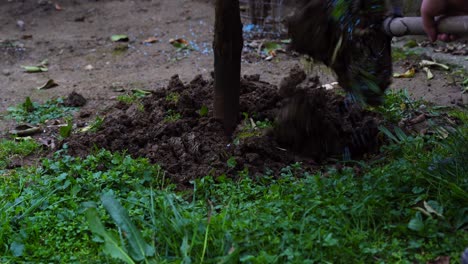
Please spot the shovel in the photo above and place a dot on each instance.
(353, 38)
(402, 26)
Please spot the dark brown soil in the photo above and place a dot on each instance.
(75, 100)
(193, 145)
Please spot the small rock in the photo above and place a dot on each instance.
(6, 72)
(20, 24)
(89, 67)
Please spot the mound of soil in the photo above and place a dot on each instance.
(169, 128)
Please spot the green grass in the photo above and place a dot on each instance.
(35, 113)
(173, 97)
(10, 149)
(251, 128)
(398, 105)
(409, 206)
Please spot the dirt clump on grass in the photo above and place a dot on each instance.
(175, 128)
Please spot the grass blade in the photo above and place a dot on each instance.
(139, 249)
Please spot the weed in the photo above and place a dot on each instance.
(398, 105)
(203, 111)
(173, 97)
(66, 131)
(34, 113)
(172, 116)
(96, 124)
(251, 128)
(133, 98)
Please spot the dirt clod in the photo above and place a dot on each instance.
(320, 124)
(289, 84)
(75, 100)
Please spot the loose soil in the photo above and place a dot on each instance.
(193, 145)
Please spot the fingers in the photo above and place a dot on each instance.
(429, 10)
(429, 26)
(446, 37)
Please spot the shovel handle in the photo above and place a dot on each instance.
(402, 26)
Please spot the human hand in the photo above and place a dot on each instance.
(430, 9)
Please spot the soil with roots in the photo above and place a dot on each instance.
(174, 127)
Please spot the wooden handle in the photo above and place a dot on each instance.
(402, 26)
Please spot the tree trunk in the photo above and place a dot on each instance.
(227, 46)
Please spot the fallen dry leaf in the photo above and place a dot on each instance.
(150, 40)
(430, 76)
(427, 63)
(408, 74)
(179, 40)
(47, 85)
(420, 118)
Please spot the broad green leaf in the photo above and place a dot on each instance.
(139, 249)
(17, 249)
(65, 131)
(111, 244)
(416, 224)
(329, 241)
(120, 37)
(203, 111)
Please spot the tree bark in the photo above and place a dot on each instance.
(227, 47)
